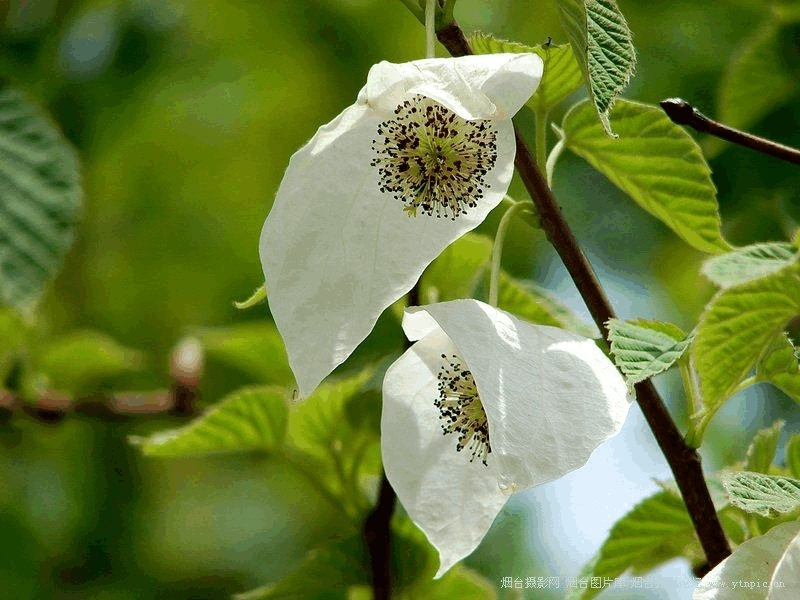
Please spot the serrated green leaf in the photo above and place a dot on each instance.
(248, 419)
(255, 348)
(73, 362)
(744, 99)
(562, 73)
(793, 455)
(40, 197)
(762, 494)
(761, 451)
(656, 163)
(601, 42)
(642, 349)
(533, 303)
(748, 263)
(653, 532)
(325, 573)
(455, 272)
(737, 328)
(780, 367)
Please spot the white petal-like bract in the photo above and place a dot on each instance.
(338, 246)
(550, 398)
(756, 570)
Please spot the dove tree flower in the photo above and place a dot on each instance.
(484, 405)
(762, 568)
(421, 158)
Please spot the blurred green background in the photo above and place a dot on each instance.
(185, 115)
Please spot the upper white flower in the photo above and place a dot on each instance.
(421, 158)
(485, 405)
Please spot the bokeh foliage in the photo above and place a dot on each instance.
(185, 115)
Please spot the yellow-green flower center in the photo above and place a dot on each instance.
(460, 408)
(433, 160)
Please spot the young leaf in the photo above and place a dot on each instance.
(40, 197)
(761, 451)
(562, 73)
(762, 494)
(455, 272)
(737, 328)
(753, 562)
(656, 163)
(748, 263)
(255, 348)
(779, 366)
(601, 42)
(71, 363)
(653, 532)
(248, 419)
(533, 303)
(644, 348)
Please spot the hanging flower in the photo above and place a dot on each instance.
(485, 405)
(421, 158)
(766, 567)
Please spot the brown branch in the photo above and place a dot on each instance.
(377, 531)
(681, 112)
(683, 460)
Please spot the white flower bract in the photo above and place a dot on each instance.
(550, 398)
(766, 567)
(421, 158)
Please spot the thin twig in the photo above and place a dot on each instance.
(683, 113)
(377, 531)
(683, 460)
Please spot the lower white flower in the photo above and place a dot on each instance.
(484, 405)
(420, 159)
(763, 568)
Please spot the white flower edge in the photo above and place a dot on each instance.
(762, 568)
(335, 250)
(550, 397)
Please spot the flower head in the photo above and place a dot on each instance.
(484, 405)
(421, 158)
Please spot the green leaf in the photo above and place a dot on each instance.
(793, 455)
(533, 303)
(40, 196)
(255, 348)
(325, 573)
(779, 366)
(748, 263)
(762, 494)
(656, 163)
(761, 451)
(655, 531)
(642, 348)
(737, 328)
(562, 73)
(13, 335)
(601, 42)
(248, 419)
(459, 582)
(744, 99)
(71, 363)
(257, 297)
(455, 273)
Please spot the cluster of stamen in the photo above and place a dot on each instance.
(460, 408)
(433, 160)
